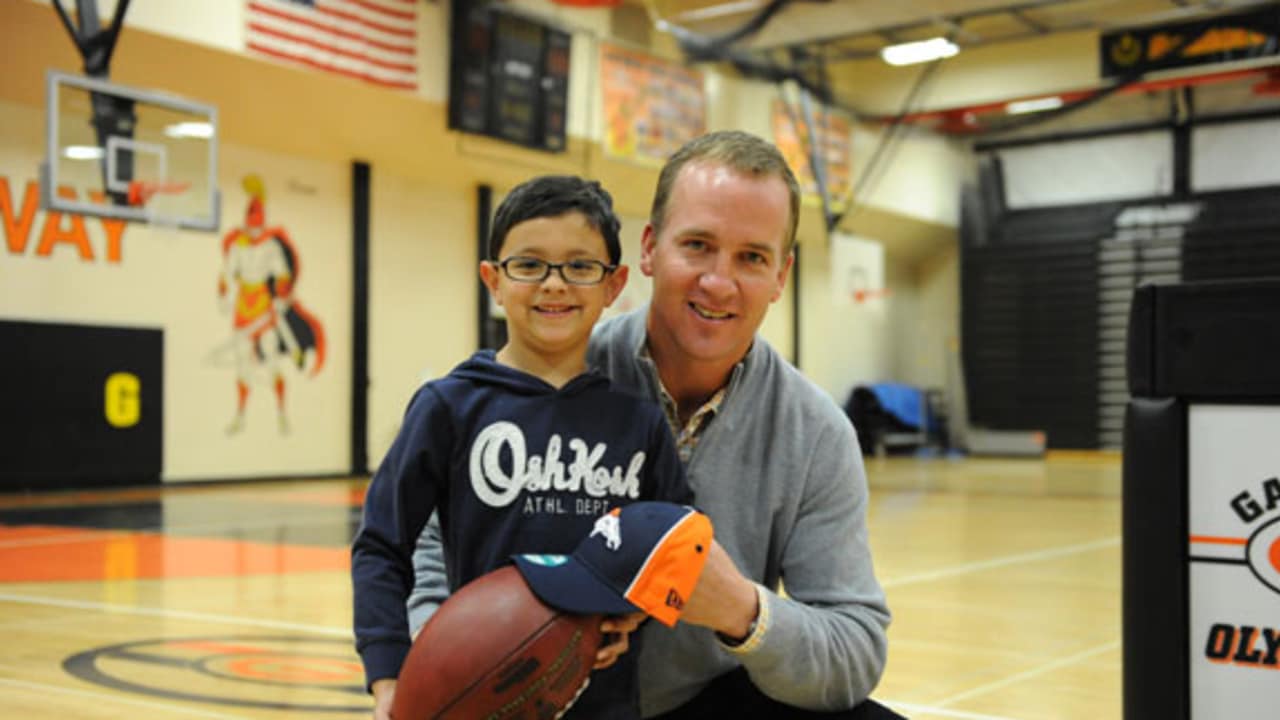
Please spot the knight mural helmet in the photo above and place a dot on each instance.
(255, 214)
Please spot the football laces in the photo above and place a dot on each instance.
(585, 682)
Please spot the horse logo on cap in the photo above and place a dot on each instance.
(609, 527)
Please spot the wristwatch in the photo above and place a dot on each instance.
(755, 632)
(734, 642)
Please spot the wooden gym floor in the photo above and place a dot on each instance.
(234, 601)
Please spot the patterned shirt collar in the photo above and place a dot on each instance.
(690, 433)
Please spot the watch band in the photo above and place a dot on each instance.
(757, 630)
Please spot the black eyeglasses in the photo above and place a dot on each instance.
(574, 272)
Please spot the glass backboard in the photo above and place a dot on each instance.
(122, 152)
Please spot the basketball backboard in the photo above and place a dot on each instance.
(123, 152)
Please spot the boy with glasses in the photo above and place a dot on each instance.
(518, 451)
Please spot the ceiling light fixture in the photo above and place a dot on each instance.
(82, 152)
(719, 10)
(189, 130)
(918, 52)
(1019, 107)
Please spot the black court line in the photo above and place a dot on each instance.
(85, 666)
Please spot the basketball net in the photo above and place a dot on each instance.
(158, 200)
(861, 296)
(141, 191)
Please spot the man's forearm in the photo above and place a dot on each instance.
(818, 658)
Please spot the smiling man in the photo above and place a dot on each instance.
(718, 247)
(771, 459)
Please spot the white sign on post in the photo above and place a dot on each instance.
(1234, 550)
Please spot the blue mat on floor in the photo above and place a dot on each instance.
(904, 402)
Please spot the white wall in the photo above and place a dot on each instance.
(928, 318)
(215, 24)
(1235, 155)
(422, 290)
(918, 176)
(844, 343)
(1136, 165)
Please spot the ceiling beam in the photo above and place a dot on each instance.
(954, 21)
(1022, 18)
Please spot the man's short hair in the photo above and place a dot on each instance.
(739, 151)
(553, 196)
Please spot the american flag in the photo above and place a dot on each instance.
(372, 40)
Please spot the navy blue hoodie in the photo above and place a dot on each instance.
(513, 465)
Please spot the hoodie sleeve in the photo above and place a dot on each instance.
(403, 494)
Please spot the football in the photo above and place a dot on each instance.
(494, 649)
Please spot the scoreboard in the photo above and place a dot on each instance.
(508, 76)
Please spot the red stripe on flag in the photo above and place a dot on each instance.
(352, 17)
(330, 68)
(401, 14)
(265, 30)
(265, 10)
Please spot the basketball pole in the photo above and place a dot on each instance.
(112, 115)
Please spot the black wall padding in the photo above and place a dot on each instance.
(1217, 339)
(1030, 325)
(361, 211)
(54, 381)
(1156, 676)
(1237, 236)
(1044, 296)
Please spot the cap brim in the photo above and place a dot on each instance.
(573, 588)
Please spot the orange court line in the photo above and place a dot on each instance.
(296, 669)
(212, 647)
(116, 555)
(1210, 539)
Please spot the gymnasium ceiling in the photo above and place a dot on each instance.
(859, 28)
(1009, 50)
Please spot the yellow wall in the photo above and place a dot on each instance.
(422, 291)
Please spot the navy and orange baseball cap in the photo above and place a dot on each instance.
(644, 557)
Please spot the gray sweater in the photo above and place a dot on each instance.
(780, 473)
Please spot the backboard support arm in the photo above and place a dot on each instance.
(95, 44)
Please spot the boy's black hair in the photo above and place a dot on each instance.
(553, 196)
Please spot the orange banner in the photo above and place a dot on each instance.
(651, 106)
(792, 138)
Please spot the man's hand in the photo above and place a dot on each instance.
(384, 691)
(724, 600)
(617, 632)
